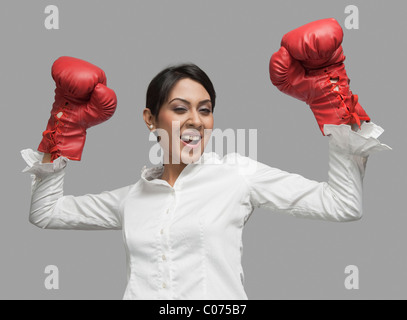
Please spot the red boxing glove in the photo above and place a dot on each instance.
(82, 100)
(309, 66)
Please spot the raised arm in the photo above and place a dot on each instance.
(50, 209)
(339, 199)
(309, 66)
(82, 100)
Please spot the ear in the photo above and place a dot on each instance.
(149, 118)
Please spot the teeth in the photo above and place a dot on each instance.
(193, 138)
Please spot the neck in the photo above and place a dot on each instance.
(172, 172)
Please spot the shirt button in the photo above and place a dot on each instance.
(168, 211)
(164, 285)
(162, 231)
(164, 258)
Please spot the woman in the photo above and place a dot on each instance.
(182, 222)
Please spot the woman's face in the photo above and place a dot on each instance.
(186, 117)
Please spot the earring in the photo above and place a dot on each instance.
(151, 126)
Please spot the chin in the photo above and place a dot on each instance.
(188, 155)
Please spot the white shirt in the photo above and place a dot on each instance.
(185, 242)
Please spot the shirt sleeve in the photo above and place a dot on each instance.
(50, 209)
(339, 199)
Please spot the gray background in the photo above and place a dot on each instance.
(284, 257)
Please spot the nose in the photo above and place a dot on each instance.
(194, 119)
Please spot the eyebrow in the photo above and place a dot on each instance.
(189, 103)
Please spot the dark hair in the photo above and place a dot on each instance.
(160, 87)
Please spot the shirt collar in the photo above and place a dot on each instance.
(153, 174)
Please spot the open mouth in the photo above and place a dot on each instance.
(191, 140)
